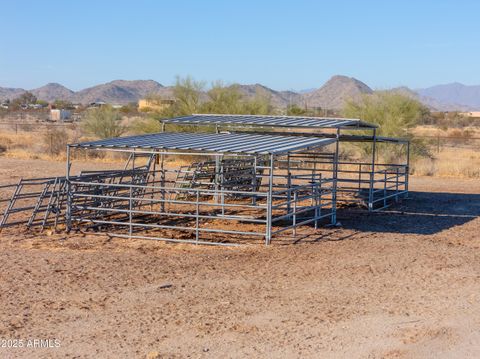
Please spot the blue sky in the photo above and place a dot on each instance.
(282, 44)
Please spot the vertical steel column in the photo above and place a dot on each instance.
(396, 185)
(318, 201)
(372, 173)
(162, 181)
(254, 180)
(130, 202)
(217, 177)
(315, 196)
(155, 157)
(407, 172)
(222, 189)
(335, 179)
(268, 234)
(197, 217)
(68, 211)
(289, 185)
(294, 222)
(385, 188)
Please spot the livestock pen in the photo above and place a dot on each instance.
(256, 178)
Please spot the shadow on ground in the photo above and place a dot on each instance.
(422, 213)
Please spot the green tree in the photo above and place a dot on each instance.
(395, 114)
(260, 104)
(103, 122)
(189, 97)
(223, 99)
(27, 98)
(146, 125)
(24, 99)
(62, 104)
(295, 110)
(186, 93)
(129, 109)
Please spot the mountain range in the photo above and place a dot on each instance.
(331, 95)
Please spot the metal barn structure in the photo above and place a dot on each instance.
(266, 177)
(233, 182)
(371, 184)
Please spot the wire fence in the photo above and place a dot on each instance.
(436, 143)
(25, 127)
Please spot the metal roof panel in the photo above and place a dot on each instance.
(272, 121)
(211, 142)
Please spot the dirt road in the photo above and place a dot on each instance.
(406, 285)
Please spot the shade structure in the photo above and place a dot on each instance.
(272, 121)
(212, 142)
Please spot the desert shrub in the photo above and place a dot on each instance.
(145, 125)
(395, 114)
(228, 99)
(55, 140)
(103, 122)
(25, 127)
(223, 99)
(187, 94)
(190, 97)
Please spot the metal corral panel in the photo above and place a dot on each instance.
(212, 142)
(272, 121)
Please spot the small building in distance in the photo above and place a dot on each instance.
(97, 104)
(60, 115)
(157, 105)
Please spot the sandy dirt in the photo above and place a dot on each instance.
(402, 285)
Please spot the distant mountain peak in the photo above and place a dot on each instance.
(53, 91)
(465, 97)
(336, 91)
(331, 95)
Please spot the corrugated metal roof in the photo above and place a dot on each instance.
(272, 121)
(342, 137)
(212, 142)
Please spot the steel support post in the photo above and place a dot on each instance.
(197, 217)
(372, 173)
(407, 170)
(335, 179)
(254, 180)
(268, 234)
(289, 185)
(217, 177)
(153, 178)
(130, 201)
(396, 185)
(294, 222)
(68, 211)
(318, 202)
(162, 181)
(385, 189)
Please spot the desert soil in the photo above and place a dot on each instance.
(402, 285)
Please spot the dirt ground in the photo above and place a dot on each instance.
(402, 285)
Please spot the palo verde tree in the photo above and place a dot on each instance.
(190, 97)
(187, 94)
(395, 113)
